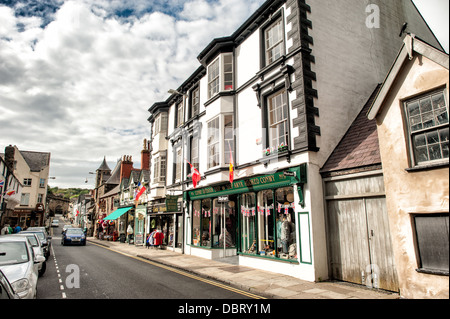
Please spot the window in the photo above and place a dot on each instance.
(228, 138)
(42, 182)
(220, 143)
(278, 120)
(213, 78)
(249, 214)
(159, 169)
(40, 198)
(178, 163)
(213, 143)
(25, 199)
(179, 120)
(274, 41)
(194, 160)
(268, 224)
(432, 237)
(427, 118)
(195, 102)
(160, 125)
(220, 74)
(27, 182)
(227, 72)
(196, 212)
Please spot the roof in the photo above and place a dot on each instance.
(112, 192)
(359, 147)
(36, 160)
(115, 175)
(411, 45)
(104, 166)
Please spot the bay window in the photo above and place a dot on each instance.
(220, 141)
(220, 74)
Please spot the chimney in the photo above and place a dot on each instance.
(9, 158)
(145, 156)
(125, 167)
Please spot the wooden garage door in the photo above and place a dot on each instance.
(360, 247)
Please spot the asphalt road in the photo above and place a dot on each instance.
(94, 272)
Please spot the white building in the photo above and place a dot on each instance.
(274, 98)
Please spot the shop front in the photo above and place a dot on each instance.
(165, 216)
(140, 216)
(254, 217)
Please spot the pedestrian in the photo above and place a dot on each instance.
(130, 233)
(17, 229)
(5, 230)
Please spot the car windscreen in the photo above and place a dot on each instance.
(33, 240)
(13, 253)
(74, 231)
(40, 235)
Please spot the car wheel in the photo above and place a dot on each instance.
(44, 267)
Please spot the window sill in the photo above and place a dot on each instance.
(432, 271)
(427, 167)
(290, 261)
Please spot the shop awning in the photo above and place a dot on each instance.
(117, 213)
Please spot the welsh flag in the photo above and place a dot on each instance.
(140, 190)
(196, 177)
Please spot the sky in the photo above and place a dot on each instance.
(77, 77)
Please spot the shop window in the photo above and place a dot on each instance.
(205, 223)
(268, 224)
(427, 118)
(249, 213)
(432, 237)
(286, 237)
(196, 217)
(266, 234)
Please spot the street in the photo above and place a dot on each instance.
(95, 272)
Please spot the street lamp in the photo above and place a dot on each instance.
(171, 91)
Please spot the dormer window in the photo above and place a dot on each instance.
(220, 74)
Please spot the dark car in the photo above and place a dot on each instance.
(45, 240)
(73, 236)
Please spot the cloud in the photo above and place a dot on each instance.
(77, 77)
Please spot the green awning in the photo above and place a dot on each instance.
(117, 213)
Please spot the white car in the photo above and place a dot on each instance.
(19, 264)
(37, 247)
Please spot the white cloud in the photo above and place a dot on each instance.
(80, 86)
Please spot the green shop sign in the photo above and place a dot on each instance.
(282, 178)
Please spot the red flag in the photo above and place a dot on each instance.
(196, 177)
(231, 169)
(77, 213)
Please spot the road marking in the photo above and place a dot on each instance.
(186, 274)
(61, 287)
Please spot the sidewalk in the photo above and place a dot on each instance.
(264, 283)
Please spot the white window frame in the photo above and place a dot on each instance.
(220, 141)
(271, 45)
(220, 69)
(416, 119)
(25, 199)
(159, 168)
(160, 125)
(274, 122)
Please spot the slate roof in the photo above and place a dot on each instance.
(36, 160)
(104, 166)
(359, 147)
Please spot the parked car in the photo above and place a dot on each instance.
(46, 241)
(19, 264)
(55, 223)
(37, 248)
(6, 291)
(73, 236)
(44, 229)
(65, 228)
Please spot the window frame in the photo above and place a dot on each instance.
(194, 101)
(220, 78)
(160, 168)
(422, 261)
(224, 144)
(277, 19)
(411, 135)
(27, 182)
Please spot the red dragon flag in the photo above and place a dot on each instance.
(196, 177)
(231, 164)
